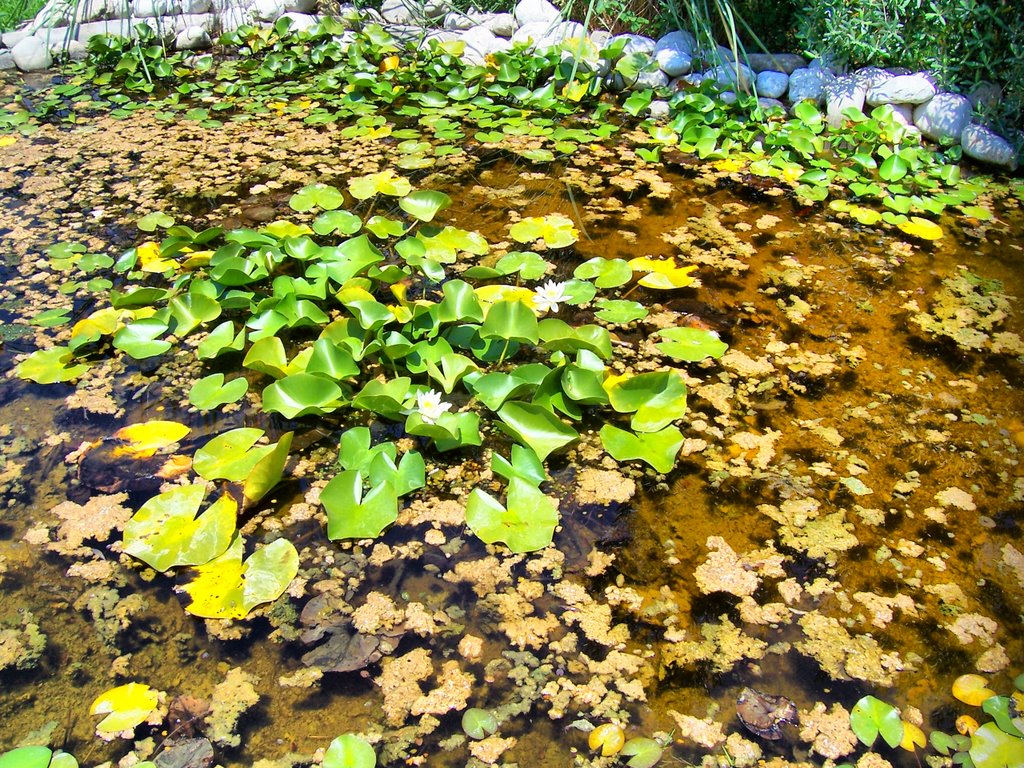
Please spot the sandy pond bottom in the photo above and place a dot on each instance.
(845, 517)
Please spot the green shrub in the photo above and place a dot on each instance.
(14, 11)
(963, 42)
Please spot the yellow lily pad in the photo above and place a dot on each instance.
(913, 737)
(662, 274)
(920, 228)
(228, 588)
(972, 689)
(150, 259)
(284, 229)
(383, 183)
(145, 439)
(556, 230)
(491, 294)
(6, 141)
(125, 707)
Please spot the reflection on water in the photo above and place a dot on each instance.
(845, 517)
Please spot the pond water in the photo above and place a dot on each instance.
(844, 518)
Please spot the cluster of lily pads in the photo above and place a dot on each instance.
(998, 743)
(369, 83)
(359, 317)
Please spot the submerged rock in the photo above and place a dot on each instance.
(765, 714)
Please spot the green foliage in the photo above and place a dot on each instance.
(524, 524)
(871, 717)
(14, 11)
(349, 751)
(478, 723)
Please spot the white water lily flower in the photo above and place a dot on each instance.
(546, 298)
(430, 406)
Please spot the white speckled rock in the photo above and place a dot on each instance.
(6, 60)
(776, 62)
(658, 109)
(944, 117)
(728, 97)
(902, 89)
(149, 9)
(771, 84)
(480, 41)
(808, 84)
(981, 144)
(196, 6)
(635, 44)
(192, 39)
(680, 41)
(533, 30)
(849, 91)
(535, 11)
(31, 54)
(501, 24)
(459, 21)
(650, 78)
(725, 75)
(672, 62)
(399, 11)
(562, 31)
(301, 21)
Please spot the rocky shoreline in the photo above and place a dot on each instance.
(780, 80)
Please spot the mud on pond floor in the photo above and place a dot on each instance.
(844, 517)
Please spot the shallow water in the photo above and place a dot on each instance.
(841, 399)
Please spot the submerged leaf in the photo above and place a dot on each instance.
(125, 707)
(145, 439)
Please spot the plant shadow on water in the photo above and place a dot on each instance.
(844, 482)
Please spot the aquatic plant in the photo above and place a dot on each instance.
(349, 751)
(37, 757)
(479, 723)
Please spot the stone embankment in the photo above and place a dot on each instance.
(63, 27)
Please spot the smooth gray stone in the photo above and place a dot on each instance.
(501, 24)
(776, 62)
(725, 76)
(808, 85)
(301, 21)
(983, 145)
(31, 54)
(901, 89)
(192, 39)
(985, 95)
(6, 60)
(149, 9)
(635, 44)
(658, 109)
(458, 21)
(944, 117)
(768, 103)
(680, 40)
(673, 62)
(650, 78)
(12, 38)
(771, 84)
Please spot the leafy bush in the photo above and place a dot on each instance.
(14, 11)
(963, 42)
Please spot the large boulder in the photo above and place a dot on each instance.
(772, 85)
(679, 41)
(650, 78)
(501, 24)
(535, 12)
(808, 84)
(672, 62)
(150, 9)
(944, 117)
(902, 89)
(985, 95)
(979, 143)
(480, 41)
(733, 76)
(192, 39)
(31, 54)
(849, 92)
(6, 60)
(300, 21)
(635, 44)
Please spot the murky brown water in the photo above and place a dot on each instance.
(831, 443)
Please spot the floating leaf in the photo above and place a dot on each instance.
(49, 366)
(350, 514)
(556, 230)
(655, 399)
(1004, 711)
(871, 717)
(340, 222)
(662, 274)
(643, 752)
(992, 747)
(445, 245)
(228, 588)
(606, 273)
(511, 321)
(322, 196)
(232, 455)
(302, 394)
(922, 229)
(51, 317)
(26, 757)
(691, 344)
(141, 339)
(211, 392)
(166, 533)
(609, 738)
(349, 751)
(150, 222)
(476, 723)
(620, 311)
(383, 183)
(424, 204)
(913, 737)
(529, 265)
(659, 449)
(536, 427)
(526, 525)
(145, 439)
(972, 689)
(125, 707)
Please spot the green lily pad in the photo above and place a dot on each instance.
(141, 339)
(691, 344)
(424, 204)
(536, 427)
(211, 392)
(643, 752)
(606, 273)
(655, 399)
(383, 183)
(871, 716)
(26, 757)
(991, 747)
(525, 525)
(220, 340)
(322, 196)
(350, 514)
(349, 751)
(479, 723)
(659, 449)
(556, 230)
(511, 321)
(302, 394)
(620, 311)
(337, 222)
(166, 533)
(49, 366)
